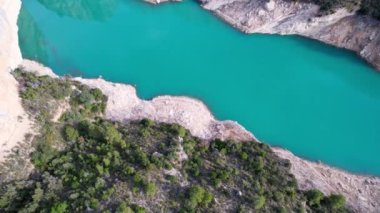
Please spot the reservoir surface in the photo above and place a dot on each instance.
(320, 102)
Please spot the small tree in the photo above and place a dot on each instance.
(147, 122)
(150, 189)
(178, 130)
(335, 201)
(198, 196)
(314, 197)
(59, 208)
(94, 203)
(123, 208)
(258, 201)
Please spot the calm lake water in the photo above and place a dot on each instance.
(320, 102)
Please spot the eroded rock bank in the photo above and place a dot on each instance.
(362, 193)
(124, 105)
(342, 29)
(14, 122)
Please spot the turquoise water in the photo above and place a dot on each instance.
(320, 102)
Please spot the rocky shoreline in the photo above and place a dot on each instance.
(362, 192)
(342, 29)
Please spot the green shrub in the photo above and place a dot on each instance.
(178, 130)
(94, 203)
(124, 208)
(43, 154)
(85, 97)
(217, 177)
(97, 94)
(150, 188)
(371, 8)
(279, 197)
(258, 164)
(71, 134)
(29, 94)
(108, 193)
(60, 89)
(314, 197)
(258, 201)
(189, 146)
(147, 122)
(139, 209)
(243, 155)
(197, 196)
(59, 208)
(335, 201)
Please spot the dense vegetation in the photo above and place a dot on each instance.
(371, 8)
(85, 163)
(366, 7)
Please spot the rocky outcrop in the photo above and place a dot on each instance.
(14, 123)
(342, 29)
(124, 105)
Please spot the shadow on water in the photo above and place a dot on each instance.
(360, 75)
(41, 50)
(37, 51)
(89, 10)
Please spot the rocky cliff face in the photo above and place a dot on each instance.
(14, 122)
(342, 29)
(9, 52)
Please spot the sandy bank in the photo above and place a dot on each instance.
(14, 122)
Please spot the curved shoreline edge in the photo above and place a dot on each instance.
(362, 192)
(342, 29)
